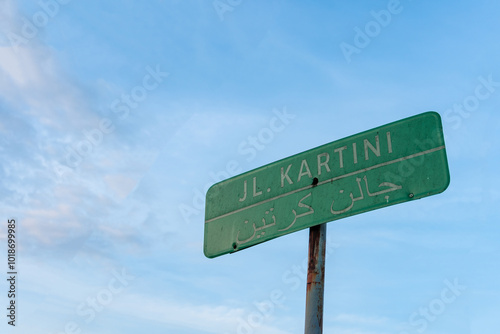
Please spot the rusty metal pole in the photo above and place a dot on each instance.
(315, 280)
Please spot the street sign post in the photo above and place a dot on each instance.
(394, 163)
(315, 279)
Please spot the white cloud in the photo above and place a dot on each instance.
(122, 185)
(32, 81)
(199, 317)
(51, 225)
(45, 113)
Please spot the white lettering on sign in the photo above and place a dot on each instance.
(300, 205)
(322, 164)
(371, 148)
(389, 142)
(269, 220)
(285, 176)
(255, 187)
(334, 210)
(264, 226)
(355, 153)
(304, 170)
(341, 157)
(244, 191)
(255, 193)
(392, 187)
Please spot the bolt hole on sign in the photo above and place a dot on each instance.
(394, 163)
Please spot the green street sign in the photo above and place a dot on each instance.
(394, 163)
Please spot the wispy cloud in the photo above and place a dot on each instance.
(43, 113)
(202, 318)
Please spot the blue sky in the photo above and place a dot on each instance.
(115, 117)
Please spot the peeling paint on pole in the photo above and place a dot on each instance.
(315, 280)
